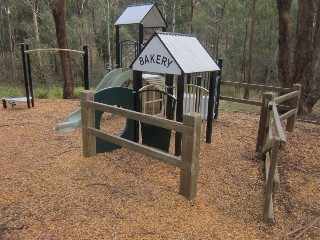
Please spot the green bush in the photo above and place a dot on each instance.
(42, 93)
(57, 93)
(7, 92)
(77, 92)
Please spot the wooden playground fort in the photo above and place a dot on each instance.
(173, 87)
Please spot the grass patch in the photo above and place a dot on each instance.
(7, 92)
(233, 106)
(42, 93)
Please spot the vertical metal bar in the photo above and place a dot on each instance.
(169, 84)
(217, 97)
(117, 47)
(179, 112)
(29, 76)
(210, 107)
(137, 84)
(23, 56)
(140, 38)
(86, 68)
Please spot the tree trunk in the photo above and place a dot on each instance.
(284, 41)
(58, 12)
(304, 54)
(174, 17)
(243, 63)
(250, 50)
(11, 44)
(192, 6)
(37, 36)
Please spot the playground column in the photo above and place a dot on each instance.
(190, 154)
(29, 76)
(217, 86)
(88, 121)
(25, 74)
(210, 107)
(169, 84)
(179, 112)
(86, 68)
(117, 47)
(140, 38)
(137, 84)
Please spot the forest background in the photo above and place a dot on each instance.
(265, 42)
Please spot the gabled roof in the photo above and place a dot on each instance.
(174, 53)
(147, 14)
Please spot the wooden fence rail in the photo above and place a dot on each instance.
(272, 138)
(190, 130)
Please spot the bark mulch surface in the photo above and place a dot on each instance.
(48, 190)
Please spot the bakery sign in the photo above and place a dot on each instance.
(156, 58)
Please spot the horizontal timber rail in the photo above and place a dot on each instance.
(154, 153)
(291, 91)
(152, 120)
(240, 100)
(190, 130)
(256, 86)
(53, 50)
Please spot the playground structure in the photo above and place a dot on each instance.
(27, 73)
(200, 96)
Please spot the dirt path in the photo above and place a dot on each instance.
(49, 191)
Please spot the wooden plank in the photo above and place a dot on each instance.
(150, 152)
(269, 185)
(276, 180)
(88, 120)
(278, 127)
(268, 146)
(264, 120)
(294, 104)
(288, 114)
(190, 154)
(152, 120)
(256, 86)
(239, 100)
(285, 97)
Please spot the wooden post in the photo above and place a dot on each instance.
(190, 154)
(293, 103)
(268, 205)
(264, 120)
(88, 120)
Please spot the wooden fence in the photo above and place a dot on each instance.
(271, 137)
(190, 130)
(274, 140)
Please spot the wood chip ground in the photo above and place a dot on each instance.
(49, 191)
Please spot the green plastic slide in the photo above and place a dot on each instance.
(115, 78)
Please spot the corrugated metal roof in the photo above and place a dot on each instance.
(188, 52)
(147, 14)
(172, 53)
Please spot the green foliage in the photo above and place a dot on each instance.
(77, 92)
(57, 92)
(7, 92)
(41, 93)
